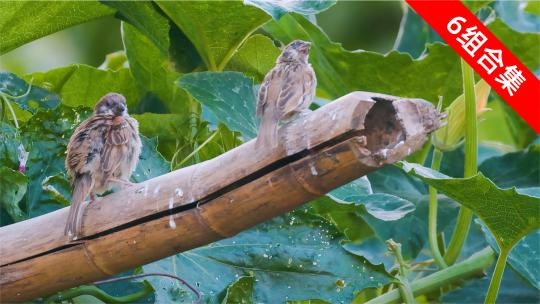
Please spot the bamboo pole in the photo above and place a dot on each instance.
(216, 199)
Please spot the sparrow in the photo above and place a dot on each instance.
(288, 89)
(101, 154)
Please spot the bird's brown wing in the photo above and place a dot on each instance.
(86, 144)
(269, 91)
(297, 93)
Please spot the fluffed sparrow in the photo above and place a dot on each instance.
(101, 154)
(288, 89)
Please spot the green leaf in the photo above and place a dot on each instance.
(411, 230)
(56, 190)
(216, 29)
(27, 98)
(114, 61)
(292, 257)
(276, 9)
(255, 57)
(82, 85)
(228, 95)
(513, 290)
(475, 5)
(496, 207)
(372, 249)
(240, 292)
(345, 217)
(8, 146)
(524, 45)
(523, 258)
(517, 169)
(151, 164)
(360, 186)
(12, 189)
(532, 7)
(154, 72)
(340, 71)
(384, 206)
(144, 16)
(414, 33)
(514, 14)
(24, 21)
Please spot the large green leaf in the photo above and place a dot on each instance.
(513, 290)
(153, 71)
(523, 258)
(24, 21)
(382, 206)
(12, 189)
(8, 146)
(514, 14)
(525, 46)
(56, 190)
(144, 16)
(414, 33)
(83, 85)
(27, 96)
(496, 207)
(292, 257)
(240, 292)
(532, 7)
(437, 74)
(411, 230)
(228, 95)
(255, 57)
(276, 9)
(216, 29)
(519, 169)
(151, 163)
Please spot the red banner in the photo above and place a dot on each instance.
(485, 54)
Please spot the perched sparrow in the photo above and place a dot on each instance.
(289, 88)
(101, 154)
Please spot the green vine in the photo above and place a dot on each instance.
(472, 267)
(461, 230)
(432, 220)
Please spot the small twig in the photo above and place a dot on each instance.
(136, 276)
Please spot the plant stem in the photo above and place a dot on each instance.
(497, 277)
(432, 221)
(471, 267)
(198, 148)
(406, 291)
(98, 294)
(8, 104)
(471, 146)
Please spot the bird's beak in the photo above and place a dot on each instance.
(305, 47)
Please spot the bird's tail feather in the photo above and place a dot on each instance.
(81, 188)
(268, 132)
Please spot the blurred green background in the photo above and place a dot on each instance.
(365, 25)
